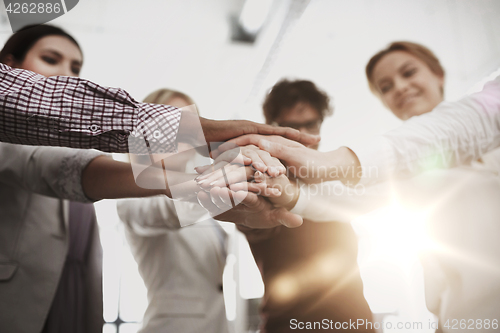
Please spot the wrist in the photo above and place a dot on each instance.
(191, 130)
(344, 165)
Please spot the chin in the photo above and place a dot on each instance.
(407, 114)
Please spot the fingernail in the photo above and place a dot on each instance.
(200, 181)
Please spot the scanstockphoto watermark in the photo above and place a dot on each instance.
(360, 324)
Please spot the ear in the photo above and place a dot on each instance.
(441, 84)
(441, 80)
(10, 61)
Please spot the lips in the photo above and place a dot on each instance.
(407, 99)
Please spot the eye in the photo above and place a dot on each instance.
(409, 72)
(49, 60)
(385, 88)
(76, 70)
(313, 125)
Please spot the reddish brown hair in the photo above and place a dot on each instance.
(417, 50)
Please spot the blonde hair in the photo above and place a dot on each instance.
(162, 96)
(417, 50)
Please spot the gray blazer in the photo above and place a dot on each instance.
(34, 233)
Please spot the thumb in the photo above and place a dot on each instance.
(286, 218)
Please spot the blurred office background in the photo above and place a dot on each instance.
(226, 54)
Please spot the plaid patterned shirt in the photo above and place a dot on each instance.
(73, 112)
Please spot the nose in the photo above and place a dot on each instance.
(400, 85)
(65, 70)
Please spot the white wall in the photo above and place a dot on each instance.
(185, 44)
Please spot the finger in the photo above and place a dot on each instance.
(281, 215)
(276, 149)
(259, 189)
(220, 171)
(274, 166)
(214, 172)
(242, 174)
(248, 199)
(304, 138)
(235, 155)
(206, 202)
(215, 195)
(226, 196)
(208, 169)
(203, 168)
(259, 177)
(253, 139)
(286, 218)
(232, 155)
(229, 175)
(257, 161)
(286, 132)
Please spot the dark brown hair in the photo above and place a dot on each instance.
(286, 94)
(417, 50)
(23, 40)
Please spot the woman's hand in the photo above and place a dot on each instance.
(289, 190)
(248, 155)
(238, 178)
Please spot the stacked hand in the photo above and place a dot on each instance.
(254, 192)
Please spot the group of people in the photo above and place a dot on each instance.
(50, 266)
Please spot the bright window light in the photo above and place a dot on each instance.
(254, 14)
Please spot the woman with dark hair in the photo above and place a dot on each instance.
(86, 125)
(50, 253)
(26, 49)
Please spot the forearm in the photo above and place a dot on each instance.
(453, 134)
(342, 164)
(49, 171)
(77, 113)
(105, 178)
(333, 201)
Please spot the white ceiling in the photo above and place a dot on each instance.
(185, 44)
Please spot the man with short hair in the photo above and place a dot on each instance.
(310, 273)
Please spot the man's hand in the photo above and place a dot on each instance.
(253, 211)
(223, 130)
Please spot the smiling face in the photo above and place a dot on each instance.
(406, 85)
(53, 55)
